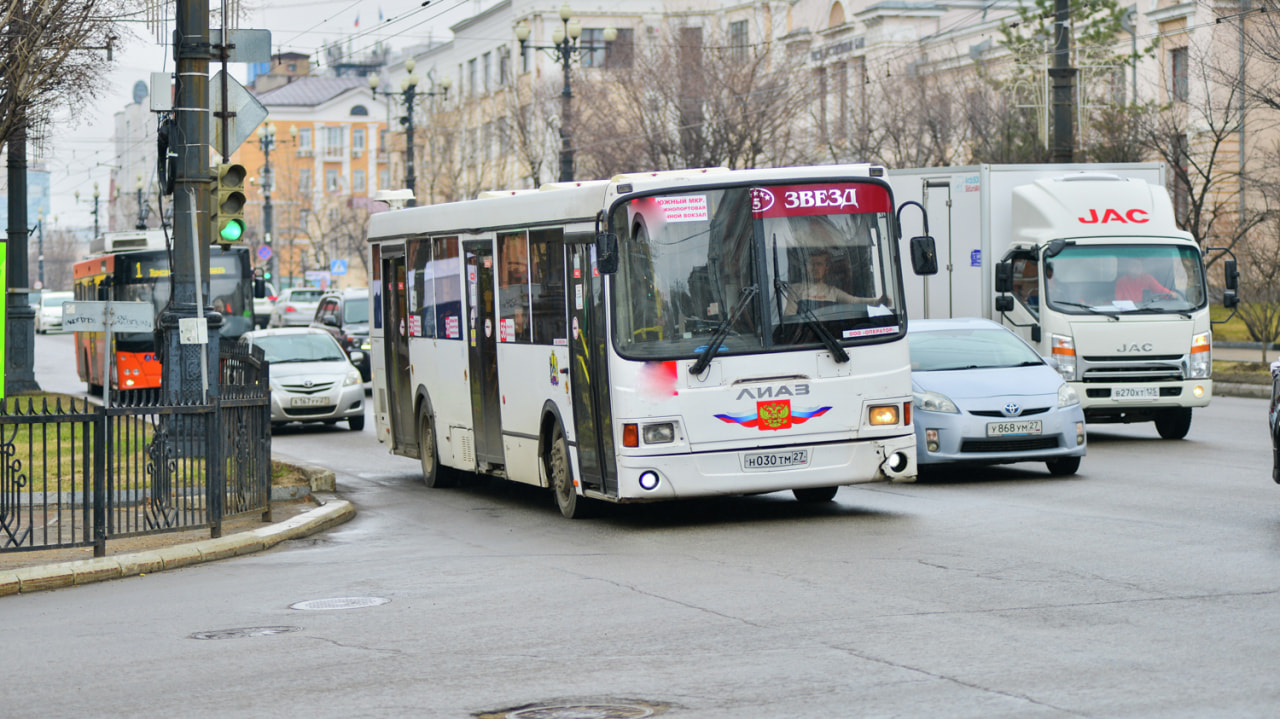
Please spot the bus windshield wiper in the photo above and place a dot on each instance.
(722, 331)
(1088, 308)
(810, 319)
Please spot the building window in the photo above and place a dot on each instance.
(360, 110)
(335, 142)
(486, 62)
(619, 53)
(471, 75)
(384, 178)
(504, 66)
(738, 40)
(331, 180)
(304, 142)
(357, 181)
(1179, 89)
(592, 44)
(357, 142)
(304, 179)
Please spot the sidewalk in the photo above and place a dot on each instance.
(298, 510)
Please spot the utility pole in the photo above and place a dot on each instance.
(20, 319)
(181, 376)
(1063, 83)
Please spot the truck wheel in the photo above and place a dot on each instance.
(432, 474)
(1174, 423)
(560, 474)
(815, 495)
(1063, 466)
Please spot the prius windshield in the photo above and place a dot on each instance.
(1119, 279)
(771, 268)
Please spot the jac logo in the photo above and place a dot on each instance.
(1135, 347)
(1135, 215)
(799, 390)
(761, 199)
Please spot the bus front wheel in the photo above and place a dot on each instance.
(432, 474)
(560, 474)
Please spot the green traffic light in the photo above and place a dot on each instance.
(231, 231)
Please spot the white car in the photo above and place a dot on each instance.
(295, 307)
(312, 379)
(49, 314)
(262, 307)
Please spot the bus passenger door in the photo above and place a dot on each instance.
(395, 334)
(589, 372)
(482, 352)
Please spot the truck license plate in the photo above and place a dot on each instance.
(308, 401)
(765, 461)
(1008, 429)
(1135, 393)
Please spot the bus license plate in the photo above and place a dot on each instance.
(1135, 393)
(309, 401)
(765, 461)
(1007, 429)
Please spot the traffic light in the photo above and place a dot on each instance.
(227, 211)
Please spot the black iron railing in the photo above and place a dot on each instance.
(75, 474)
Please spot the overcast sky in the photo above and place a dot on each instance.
(81, 151)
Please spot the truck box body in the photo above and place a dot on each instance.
(1100, 243)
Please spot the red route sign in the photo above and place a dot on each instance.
(837, 198)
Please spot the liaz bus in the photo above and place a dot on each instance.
(650, 337)
(134, 266)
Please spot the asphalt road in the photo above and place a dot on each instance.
(1146, 586)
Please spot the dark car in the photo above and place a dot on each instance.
(1275, 421)
(345, 315)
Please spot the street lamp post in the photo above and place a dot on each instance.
(564, 46)
(267, 141)
(95, 208)
(40, 251)
(142, 209)
(408, 95)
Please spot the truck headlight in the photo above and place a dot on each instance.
(1064, 353)
(1200, 363)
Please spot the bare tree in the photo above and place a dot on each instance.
(62, 249)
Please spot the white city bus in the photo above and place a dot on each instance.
(650, 337)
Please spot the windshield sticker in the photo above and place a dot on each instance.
(842, 198)
(686, 208)
(451, 327)
(773, 416)
(869, 332)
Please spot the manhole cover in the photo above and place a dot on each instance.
(599, 709)
(339, 603)
(244, 632)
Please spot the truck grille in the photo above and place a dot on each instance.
(1152, 368)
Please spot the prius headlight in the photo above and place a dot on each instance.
(1067, 396)
(927, 401)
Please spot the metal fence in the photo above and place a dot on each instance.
(75, 474)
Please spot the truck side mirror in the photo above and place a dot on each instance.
(1004, 278)
(607, 253)
(1230, 299)
(1230, 275)
(1004, 303)
(924, 256)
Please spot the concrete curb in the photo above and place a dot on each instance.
(1240, 389)
(26, 580)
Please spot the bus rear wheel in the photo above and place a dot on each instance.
(432, 474)
(560, 476)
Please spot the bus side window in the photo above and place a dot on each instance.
(421, 301)
(513, 284)
(547, 267)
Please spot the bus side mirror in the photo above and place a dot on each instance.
(924, 256)
(607, 253)
(1004, 279)
(1230, 275)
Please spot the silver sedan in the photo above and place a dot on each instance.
(312, 379)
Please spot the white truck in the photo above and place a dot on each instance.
(1087, 263)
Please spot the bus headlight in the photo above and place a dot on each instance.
(883, 414)
(1201, 360)
(661, 433)
(1064, 353)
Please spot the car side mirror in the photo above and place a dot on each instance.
(356, 357)
(607, 253)
(924, 255)
(329, 321)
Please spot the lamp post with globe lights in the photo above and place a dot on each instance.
(564, 46)
(408, 95)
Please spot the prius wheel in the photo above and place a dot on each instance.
(815, 495)
(1174, 423)
(432, 474)
(1063, 466)
(560, 474)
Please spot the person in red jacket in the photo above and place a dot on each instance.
(1135, 281)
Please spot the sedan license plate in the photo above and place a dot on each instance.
(765, 461)
(1008, 429)
(1135, 393)
(308, 401)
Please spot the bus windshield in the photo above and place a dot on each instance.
(229, 293)
(773, 267)
(1118, 279)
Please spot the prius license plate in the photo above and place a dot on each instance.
(765, 461)
(1013, 429)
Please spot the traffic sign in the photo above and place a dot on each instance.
(264, 253)
(249, 113)
(337, 267)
